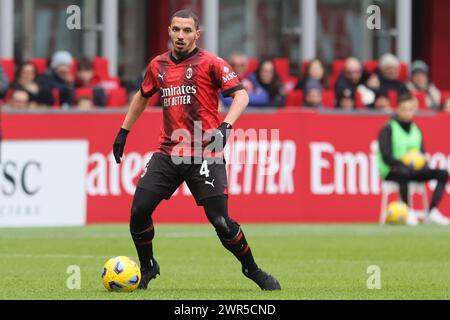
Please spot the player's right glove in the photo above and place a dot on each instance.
(119, 144)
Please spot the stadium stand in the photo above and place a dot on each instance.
(117, 96)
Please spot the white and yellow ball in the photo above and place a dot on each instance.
(415, 159)
(121, 274)
(397, 213)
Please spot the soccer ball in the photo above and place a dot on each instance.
(397, 213)
(121, 274)
(415, 159)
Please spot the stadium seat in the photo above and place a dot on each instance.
(338, 66)
(56, 102)
(74, 67)
(328, 98)
(117, 98)
(294, 99)
(445, 94)
(404, 72)
(41, 64)
(421, 97)
(303, 67)
(282, 68)
(100, 66)
(9, 66)
(252, 65)
(389, 187)
(370, 66)
(359, 104)
(84, 92)
(392, 94)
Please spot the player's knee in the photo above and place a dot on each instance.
(140, 217)
(225, 227)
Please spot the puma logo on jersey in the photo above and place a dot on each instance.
(210, 183)
(161, 76)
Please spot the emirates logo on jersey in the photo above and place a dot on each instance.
(189, 73)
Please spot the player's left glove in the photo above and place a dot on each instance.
(220, 137)
(119, 144)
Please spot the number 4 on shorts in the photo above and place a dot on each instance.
(204, 169)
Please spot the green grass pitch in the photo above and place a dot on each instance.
(310, 261)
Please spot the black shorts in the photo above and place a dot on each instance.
(205, 179)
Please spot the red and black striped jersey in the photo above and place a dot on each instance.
(189, 94)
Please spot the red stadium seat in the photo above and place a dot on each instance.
(328, 98)
(359, 104)
(282, 68)
(338, 66)
(74, 67)
(421, 98)
(56, 98)
(445, 94)
(303, 67)
(404, 72)
(84, 92)
(392, 94)
(9, 66)
(370, 66)
(41, 64)
(117, 98)
(252, 65)
(100, 66)
(295, 99)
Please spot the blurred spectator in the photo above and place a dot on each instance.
(59, 76)
(381, 102)
(25, 80)
(239, 62)
(446, 106)
(85, 103)
(268, 79)
(349, 79)
(314, 70)
(345, 100)
(420, 81)
(389, 70)
(370, 85)
(313, 94)
(85, 79)
(20, 99)
(4, 82)
(264, 87)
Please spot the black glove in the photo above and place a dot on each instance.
(220, 136)
(119, 144)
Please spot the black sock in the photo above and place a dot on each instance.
(241, 250)
(144, 246)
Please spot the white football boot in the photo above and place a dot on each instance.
(412, 218)
(436, 217)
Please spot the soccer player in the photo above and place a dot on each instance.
(399, 136)
(188, 80)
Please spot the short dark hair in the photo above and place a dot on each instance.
(85, 64)
(404, 97)
(186, 14)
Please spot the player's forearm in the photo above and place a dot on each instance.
(137, 106)
(240, 102)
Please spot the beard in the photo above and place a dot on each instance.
(180, 54)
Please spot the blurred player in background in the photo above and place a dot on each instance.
(395, 140)
(188, 80)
